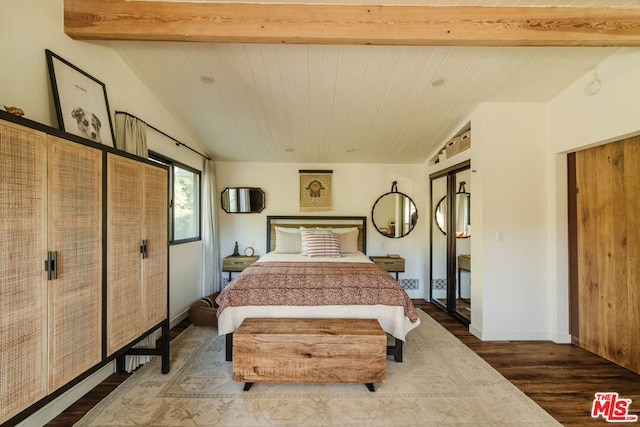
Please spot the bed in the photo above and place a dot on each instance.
(316, 267)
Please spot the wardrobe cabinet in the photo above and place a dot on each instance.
(83, 261)
(137, 217)
(50, 266)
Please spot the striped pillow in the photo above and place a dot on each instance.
(324, 245)
(304, 232)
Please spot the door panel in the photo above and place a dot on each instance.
(23, 309)
(608, 251)
(124, 238)
(75, 233)
(462, 218)
(156, 211)
(439, 220)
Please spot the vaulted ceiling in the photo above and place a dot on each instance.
(356, 103)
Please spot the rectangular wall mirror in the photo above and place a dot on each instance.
(243, 200)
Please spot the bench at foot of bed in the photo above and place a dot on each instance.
(392, 350)
(309, 350)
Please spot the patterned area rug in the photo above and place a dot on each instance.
(441, 382)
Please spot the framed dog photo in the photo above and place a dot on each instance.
(81, 101)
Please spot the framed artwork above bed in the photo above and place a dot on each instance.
(359, 222)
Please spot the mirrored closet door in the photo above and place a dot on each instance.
(451, 241)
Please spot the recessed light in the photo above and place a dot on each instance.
(207, 80)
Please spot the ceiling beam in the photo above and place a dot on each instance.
(350, 24)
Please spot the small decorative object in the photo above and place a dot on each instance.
(81, 101)
(235, 250)
(14, 110)
(248, 251)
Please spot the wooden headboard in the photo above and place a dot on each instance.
(317, 221)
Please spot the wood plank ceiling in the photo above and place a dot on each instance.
(328, 102)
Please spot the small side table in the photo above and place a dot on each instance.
(237, 263)
(391, 264)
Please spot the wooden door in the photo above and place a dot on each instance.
(608, 251)
(124, 238)
(75, 234)
(155, 233)
(23, 329)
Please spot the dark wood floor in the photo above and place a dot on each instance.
(561, 378)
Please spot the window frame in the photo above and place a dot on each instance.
(171, 164)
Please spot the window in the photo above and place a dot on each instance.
(184, 200)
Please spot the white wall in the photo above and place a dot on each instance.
(510, 222)
(578, 121)
(27, 28)
(520, 283)
(356, 187)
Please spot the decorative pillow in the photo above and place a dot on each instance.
(304, 233)
(340, 230)
(288, 230)
(288, 241)
(348, 240)
(325, 245)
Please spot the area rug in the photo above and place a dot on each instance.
(440, 382)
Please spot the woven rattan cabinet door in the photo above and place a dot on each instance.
(75, 233)
(125, 178)
(155, 274)
(23, 310)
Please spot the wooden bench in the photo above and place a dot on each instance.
(309, 350)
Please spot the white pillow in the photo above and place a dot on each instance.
(288, 241)
(323, 245)
(340, 230)
(304, 233)
(295, 230)
(348, 241)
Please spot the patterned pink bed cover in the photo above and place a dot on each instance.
(306, 284)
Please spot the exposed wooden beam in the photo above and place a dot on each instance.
(350, 24)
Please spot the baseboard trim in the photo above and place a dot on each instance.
(518, 335)
(56, 406)
(179, 318)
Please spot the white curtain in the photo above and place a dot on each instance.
(211, 274)
(131, 135)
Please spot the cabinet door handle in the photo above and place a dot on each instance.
(144, 249)
(47, 265)
(51, 265)
(55, 265)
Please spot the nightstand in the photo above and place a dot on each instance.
(391, 264)
(237, 263)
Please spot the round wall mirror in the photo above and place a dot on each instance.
(394, 214)
(462, 218)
